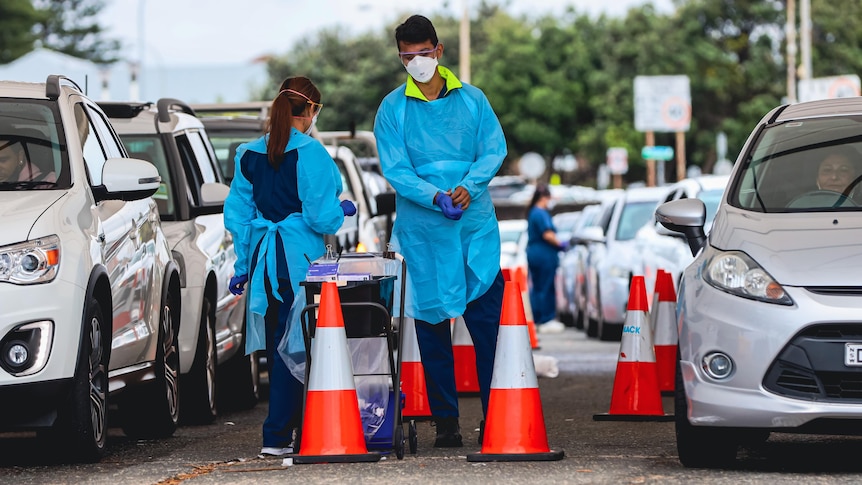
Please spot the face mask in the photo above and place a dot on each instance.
(311, 126)
(422, 68)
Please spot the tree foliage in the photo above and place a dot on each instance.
(70, 27)
(565, 83)
(17, 18)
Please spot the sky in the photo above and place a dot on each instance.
(184, 32)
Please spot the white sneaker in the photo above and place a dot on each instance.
(273, 451)
(552, 326)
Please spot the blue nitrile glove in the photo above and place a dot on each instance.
(237, 284)
(564, 245)
(445, 203)
(348, 207)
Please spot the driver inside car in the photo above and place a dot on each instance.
(838, 171)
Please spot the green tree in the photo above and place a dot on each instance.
(17, 18)
(70, 27)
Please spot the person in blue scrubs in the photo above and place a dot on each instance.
(542, 261)
(284, 197)
(440, 143)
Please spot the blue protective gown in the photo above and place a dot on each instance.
(299, 202)
(427, 147)
(542, 261)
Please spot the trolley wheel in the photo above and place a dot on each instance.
(412, 438)
(399, 442)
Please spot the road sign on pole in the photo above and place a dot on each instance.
(618, 160)
(663, 153)
(662, 103)
(829, 87)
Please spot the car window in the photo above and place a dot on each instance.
(780, 173)
(633, 217)
(150, 148)
(94, 155)
(345, 180)
(30, 136)
(203, 160)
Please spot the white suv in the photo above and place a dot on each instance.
(90, 294)
(213, 365)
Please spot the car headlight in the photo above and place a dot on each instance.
(30, 262)
(736, 273)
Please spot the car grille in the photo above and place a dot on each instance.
(836, 290)
(812, 366)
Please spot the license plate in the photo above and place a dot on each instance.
(853, 354)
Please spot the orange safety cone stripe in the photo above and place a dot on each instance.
(341, 436)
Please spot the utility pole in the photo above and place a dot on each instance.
(805, 71)
(790, 30)
(464, 44)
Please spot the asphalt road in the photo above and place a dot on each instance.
(595, 451)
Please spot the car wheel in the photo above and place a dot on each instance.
(239, 381)
(82, 422)
(153, 411)
(199, 385)
(699, 446)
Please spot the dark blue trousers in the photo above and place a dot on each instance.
(285, 392)
(482, 318)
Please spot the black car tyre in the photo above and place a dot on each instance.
(82, 421)
(152, 411)
(199, 384)
(699, 446)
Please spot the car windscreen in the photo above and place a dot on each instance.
(225, 144)
(33, 152)
(802, 166)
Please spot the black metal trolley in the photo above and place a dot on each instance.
(367, 311)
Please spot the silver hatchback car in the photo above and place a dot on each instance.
(770, 327)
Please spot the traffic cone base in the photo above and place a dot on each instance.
(515, 424)
(636, 395)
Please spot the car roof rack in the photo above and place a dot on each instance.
(165, 104)
(52, 85)
(119, 109)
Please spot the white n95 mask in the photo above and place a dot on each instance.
(422, 68)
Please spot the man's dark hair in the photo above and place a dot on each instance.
(415, 30)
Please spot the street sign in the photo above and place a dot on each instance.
(617, 160)
(532, 165)
(657, 153)
(662, 103)
(829, 87)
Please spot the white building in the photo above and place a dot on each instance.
(225, 83)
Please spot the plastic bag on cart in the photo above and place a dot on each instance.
(371, 356)
(292, 345)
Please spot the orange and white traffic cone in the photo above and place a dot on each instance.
(654, 305)
(331, 427)
(413, 375)
(466, 375)
(520, 277)
(666, 334)
(636, 396)
(515, 424)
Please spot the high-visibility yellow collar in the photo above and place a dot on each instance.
(452, 82)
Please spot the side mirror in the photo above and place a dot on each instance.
(127, 179)
(214, 193)
(385, 203)
(589, 234)
(687, 216)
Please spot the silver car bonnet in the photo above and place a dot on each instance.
(799, 249)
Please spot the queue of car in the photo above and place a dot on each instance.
(114, 264)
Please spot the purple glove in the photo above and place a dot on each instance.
(237, 284)
(445, 203)
(564, 245)
(348, 207)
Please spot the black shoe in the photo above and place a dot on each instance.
(448, 433)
